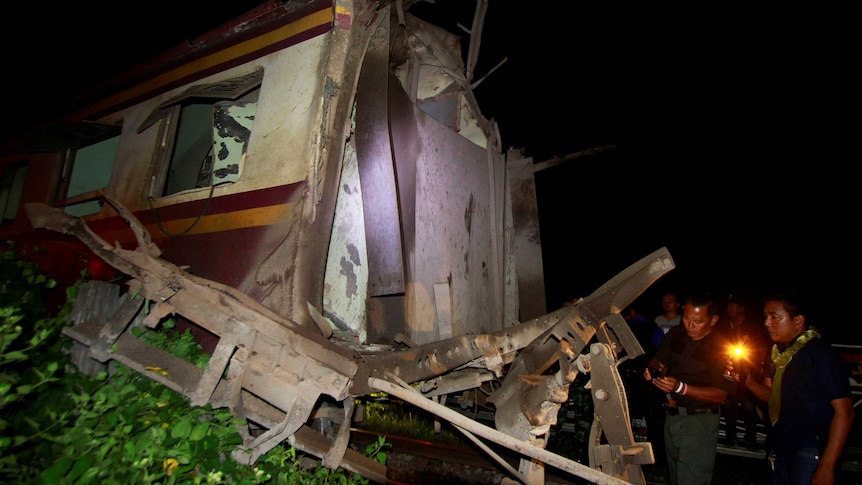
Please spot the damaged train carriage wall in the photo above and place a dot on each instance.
(433, 208)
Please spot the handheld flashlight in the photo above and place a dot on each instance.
(736, 352)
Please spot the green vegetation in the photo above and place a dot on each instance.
(389, 417)
(59, 426)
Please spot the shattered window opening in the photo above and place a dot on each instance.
(204, 134)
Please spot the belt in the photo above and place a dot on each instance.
(689, 411)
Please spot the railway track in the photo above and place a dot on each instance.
(420, 462)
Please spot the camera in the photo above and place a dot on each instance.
(654, 373)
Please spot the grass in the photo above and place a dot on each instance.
(393, 417)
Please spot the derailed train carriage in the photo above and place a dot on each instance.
(313, 189)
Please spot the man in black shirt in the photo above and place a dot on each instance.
(692, 359)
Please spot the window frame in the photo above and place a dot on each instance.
(67, 137)
(66, 201)
(169, 112)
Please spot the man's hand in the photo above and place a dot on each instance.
(666, 384)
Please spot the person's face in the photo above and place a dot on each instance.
(734, 309)
(698, 323)
(780, 325)
(669, 303)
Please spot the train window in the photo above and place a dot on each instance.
(89, 171)
(90, 150)
(204, 134)
(11, 190)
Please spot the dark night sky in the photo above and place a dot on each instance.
(732, 149)
(733, 127)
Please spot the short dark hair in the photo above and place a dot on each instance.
(703, 300)
(792, 299)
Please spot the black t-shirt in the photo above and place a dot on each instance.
(695, 362)
(814, 378)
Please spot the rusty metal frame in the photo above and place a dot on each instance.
(273, 372)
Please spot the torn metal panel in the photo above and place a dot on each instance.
(454, 232)
(377, 171)
(528, 241)
(442, 210)
(427, 60)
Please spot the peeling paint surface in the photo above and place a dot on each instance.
(345, 287)
(233, 124)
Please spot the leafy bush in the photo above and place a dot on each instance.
(32, 367)
(59, 426)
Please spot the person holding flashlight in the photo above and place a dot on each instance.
(808, 394)
(750, 350)
(691, 362)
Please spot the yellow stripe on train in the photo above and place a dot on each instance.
(316, 19)
(241, 219)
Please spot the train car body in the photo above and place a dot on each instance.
(331, 154)
(314, 189)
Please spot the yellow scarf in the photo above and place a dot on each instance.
(781, 359)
